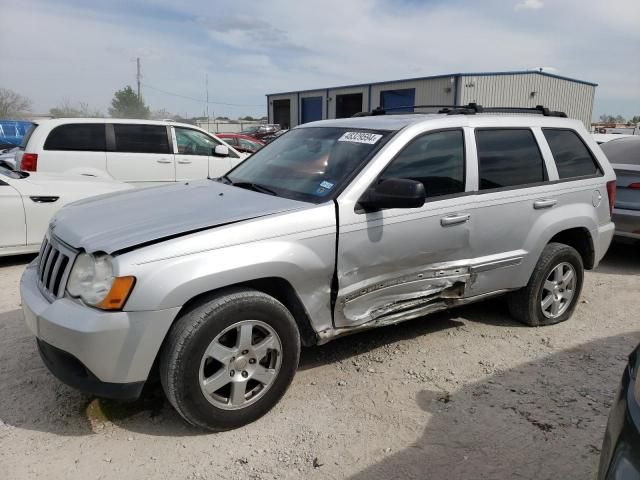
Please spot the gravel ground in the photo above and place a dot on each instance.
(462, 394)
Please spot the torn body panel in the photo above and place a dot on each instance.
(400, 296)
(389, 258)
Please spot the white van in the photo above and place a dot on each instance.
(141, 152)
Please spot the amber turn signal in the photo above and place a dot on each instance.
(118, 294)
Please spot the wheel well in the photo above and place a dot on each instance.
(282, 291)
(580, 239)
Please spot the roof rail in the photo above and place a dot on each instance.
(469, 109)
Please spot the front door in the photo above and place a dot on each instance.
(13, 232)
(395, 263)
(194, 155)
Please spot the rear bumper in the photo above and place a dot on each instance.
(602, 238)
(627, 223)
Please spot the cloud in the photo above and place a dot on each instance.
(85, 51)
(530, 5)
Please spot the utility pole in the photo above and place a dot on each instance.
(206, 87)
(138, 77)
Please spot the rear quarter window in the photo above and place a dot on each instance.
(573, 158)
(80, 136)
(141, 138)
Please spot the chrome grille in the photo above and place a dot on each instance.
(54, 265)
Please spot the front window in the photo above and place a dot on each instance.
(192, 142)
(308, 164)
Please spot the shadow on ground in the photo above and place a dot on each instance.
(13, 260)
(543, 419)
(622, 258)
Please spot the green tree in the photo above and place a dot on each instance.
(635, 119)
(126, 104)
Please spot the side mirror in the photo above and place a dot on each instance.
(221, 151)
(394, 193)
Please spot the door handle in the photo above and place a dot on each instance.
(44, 199)
(544, 203)
(184, 161)
(163, 160)
(454, 219)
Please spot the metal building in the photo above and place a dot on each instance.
(490, 89)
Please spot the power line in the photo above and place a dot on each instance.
(199, 100)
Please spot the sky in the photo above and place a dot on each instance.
(83, 50)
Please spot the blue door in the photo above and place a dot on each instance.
(400, 100)
(311, 109)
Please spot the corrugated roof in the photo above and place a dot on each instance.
(471, 74)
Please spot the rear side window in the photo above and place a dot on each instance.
(572, 157)
(508, 158)
(435, 159)
(27, 135)
(79, 136)
(141, 138)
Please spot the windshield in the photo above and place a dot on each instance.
(308, 164)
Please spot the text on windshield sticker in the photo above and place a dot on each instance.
(360, 137)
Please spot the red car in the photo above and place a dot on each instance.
(242, 143)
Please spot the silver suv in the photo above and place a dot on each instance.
(336, 227)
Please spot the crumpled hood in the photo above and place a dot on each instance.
(127, 219)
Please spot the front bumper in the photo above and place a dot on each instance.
(627, 223)
(113, 348)
(620, 456)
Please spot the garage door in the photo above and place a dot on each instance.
(400, 100)
(311, 109)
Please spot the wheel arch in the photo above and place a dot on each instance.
(579, 238)
(276, 287)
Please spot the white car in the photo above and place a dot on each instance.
(141, 152)
(29, 200)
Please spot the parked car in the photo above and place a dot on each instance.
(29, 200)
(620, 455)
(141, 152)
(242, 143)
(264, 132)
(601, 138)
(337, 227)
(13, 131)
(8, 157)
(624, 155)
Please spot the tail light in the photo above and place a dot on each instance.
(611, 191)
(29, 162)
(635, 186)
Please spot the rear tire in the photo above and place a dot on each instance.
(553, 290)
(229, 359)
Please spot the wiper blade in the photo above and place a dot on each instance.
(256, 187)
(223, 178)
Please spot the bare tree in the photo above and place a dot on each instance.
(13, 105)
(67, 109)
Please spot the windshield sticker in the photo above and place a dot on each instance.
(324, 188)
(360, 137)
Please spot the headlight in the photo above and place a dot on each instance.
(92, 280)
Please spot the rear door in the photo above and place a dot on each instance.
(513, 192)
(140, 154)
(13, 232)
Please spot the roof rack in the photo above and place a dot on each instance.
(469, 109)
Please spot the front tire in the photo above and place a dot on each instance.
(229, 359)
(552, 293)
